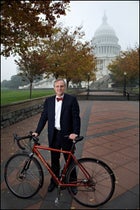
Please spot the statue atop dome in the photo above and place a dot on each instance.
(104, 19)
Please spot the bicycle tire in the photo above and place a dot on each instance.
(96, 190)
(23, 183)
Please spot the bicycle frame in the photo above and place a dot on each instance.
(60, 182)
(94, 181)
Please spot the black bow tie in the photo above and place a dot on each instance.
(59, 99)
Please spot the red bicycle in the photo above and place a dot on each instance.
(24, 176)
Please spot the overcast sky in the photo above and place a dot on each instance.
(123, 16)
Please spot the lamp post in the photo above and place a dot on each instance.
(124, 84)
(88, 84)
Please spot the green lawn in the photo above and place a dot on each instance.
(11, 96)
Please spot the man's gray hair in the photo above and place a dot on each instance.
(59, 79)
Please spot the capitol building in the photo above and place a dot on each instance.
(106, 48)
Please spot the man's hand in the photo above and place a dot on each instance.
(35, 134)
(72, 136)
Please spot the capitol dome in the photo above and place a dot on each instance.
(106, 47)
(104, 29)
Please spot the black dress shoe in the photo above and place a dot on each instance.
(74, 190)
(51, 186)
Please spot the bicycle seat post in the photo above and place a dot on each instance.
(73, 147)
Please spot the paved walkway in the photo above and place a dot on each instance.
(111, 131)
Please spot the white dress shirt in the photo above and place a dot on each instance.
(58, 106)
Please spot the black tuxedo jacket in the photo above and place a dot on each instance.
(69, 119)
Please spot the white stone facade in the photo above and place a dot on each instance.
(44, 83)
(106, 47)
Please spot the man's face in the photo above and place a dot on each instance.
(59, 88)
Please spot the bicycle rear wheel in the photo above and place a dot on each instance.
(95, 186)
(23, 175)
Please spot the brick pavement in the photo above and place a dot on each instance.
(111, 131)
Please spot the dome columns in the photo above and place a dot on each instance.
(106, 47)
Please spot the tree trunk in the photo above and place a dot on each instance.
(30, 90)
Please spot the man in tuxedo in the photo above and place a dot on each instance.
(62, 113)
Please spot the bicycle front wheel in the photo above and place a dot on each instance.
(23, 175)
(95, 183)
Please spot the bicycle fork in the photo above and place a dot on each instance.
(26, 166)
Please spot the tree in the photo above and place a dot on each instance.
(14, 82)
(23, 23)
(31, 65)
(68, 56)
(63, 55)
(127, 61)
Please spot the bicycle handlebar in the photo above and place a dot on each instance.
(36, 139)
(30, 136)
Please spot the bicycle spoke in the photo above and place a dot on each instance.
(96, 189)
(23, 182)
